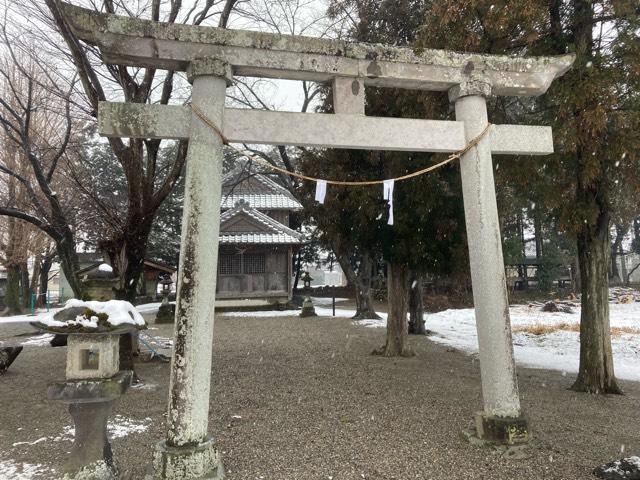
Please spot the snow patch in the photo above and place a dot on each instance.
(558, 350)
(35, 442)
(38, 340)
(118, 427)
(10, 469)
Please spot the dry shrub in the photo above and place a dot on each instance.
(547, 328)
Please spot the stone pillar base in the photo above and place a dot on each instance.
(502, 430)
(166, 313)
(199, 462)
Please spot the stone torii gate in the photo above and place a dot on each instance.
(211, 57)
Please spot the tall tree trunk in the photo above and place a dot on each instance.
(135, 250)
(537, 229)
(296, 280)
(43, 280)
(416, 304)
(25, 285)
(12, 295)
(576, 283)
(523, 243)
(595, 373)
(70, 266)
(623, 266)
(397, 326)
(34, 282)
(615, 249)
(361, 281)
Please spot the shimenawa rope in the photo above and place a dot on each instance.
(417, 173)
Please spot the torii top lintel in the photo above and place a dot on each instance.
(137, 42)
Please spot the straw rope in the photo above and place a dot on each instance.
(200, 114)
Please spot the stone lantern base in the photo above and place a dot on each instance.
(90, 404)
(166, 313)
(307, 308)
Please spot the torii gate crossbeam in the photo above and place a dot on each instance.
(211, 56)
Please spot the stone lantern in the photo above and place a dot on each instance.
(306, 279)
(93, 381)
(166, 311)
(308, 309)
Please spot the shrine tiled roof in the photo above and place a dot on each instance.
(261, 201)
(258, 238)
(256, 189)
(267, 230)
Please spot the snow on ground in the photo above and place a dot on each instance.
(9, 469)
(148, 307)
(558, 350)
(118, 427)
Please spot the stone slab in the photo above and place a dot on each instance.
(319, 130)
(88, 391)
(137, 42)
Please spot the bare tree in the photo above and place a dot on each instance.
(147, 183)
(35, 117)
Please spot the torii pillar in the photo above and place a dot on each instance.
(188, 452)
(501, 421)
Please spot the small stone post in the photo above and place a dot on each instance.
(501, 419)
(188, 451)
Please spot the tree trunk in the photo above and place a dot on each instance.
(12, 295)
(25, 286)
(576, 283)
(623, 266)
(397, 326)
(70, 266)
(298, 269)
(34, 282)
(615, 249)
(43, 280)
(135, 250)
(361, 281)
(416, 304)
(537, 227)
(523, 243)
(595, 373)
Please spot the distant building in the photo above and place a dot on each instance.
(256, 243)
(98, 277)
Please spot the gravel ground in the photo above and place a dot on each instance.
(299, 398)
